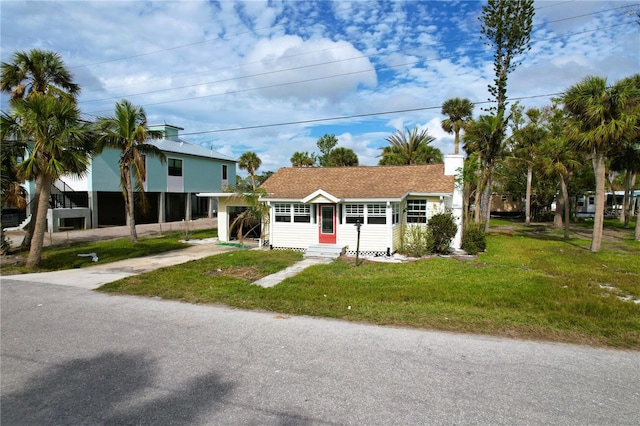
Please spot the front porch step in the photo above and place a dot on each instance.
(331, 251)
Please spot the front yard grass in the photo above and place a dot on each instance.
(66, 257)
(525, 286)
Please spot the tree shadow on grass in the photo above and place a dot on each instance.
(112, 388)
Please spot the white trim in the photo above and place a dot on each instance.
(216, 194)
(320, 193)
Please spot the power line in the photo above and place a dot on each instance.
(298, 54)
(388, 67)
(347, 117)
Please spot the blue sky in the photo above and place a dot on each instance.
(210, 67)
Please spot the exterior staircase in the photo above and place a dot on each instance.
(329, 251)
(21, 226)
(66, 198)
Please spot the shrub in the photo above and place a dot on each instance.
(417, 241)
(5, 244)
(473, 239)
(442, 228)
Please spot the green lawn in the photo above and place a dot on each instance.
(527, 285)
(66, 257)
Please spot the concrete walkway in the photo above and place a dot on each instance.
(278, 277)
(92, 277)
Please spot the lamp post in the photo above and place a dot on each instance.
(358, 225)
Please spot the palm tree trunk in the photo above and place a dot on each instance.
(637, 233)
(527, 202)
(561, 201)
(629, 184)
(565, 194)
(478, 190)
(598, 221)
(632, 203)
(487, 212)
(131, 220)
(466, 197)
(26, 242)
(456, 143)
(40, 218)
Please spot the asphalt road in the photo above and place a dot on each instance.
(73, 356)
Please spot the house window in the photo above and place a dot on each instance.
(225, 172)
(416, 211)
(592, 200)
(175, 167)
(504, 198)
(376, 214)
(354, 213)
(302, 213)
(283, 212)
(395, 212)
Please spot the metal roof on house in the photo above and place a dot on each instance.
(181, 146)
(375, 182)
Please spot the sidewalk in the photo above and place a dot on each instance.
(112, 232)
(92, 277)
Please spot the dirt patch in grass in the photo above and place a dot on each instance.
(247, 273)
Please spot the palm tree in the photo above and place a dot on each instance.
(526, 140)
(557, 158)
(11, 191)
(485, 137)
(127, 132)
(302, 159)
(60, 144)
(13, 147)
(405, 148)
(255, 215)
(250, 162)
(36, 72)
(342, 157)
(600, 119)
(459, 113)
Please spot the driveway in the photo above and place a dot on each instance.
(74, 356)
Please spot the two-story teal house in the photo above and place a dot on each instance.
(170, 187)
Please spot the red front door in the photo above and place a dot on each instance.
(327, 226)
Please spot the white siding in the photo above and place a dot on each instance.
(372, 237)
(293, 235)
(175, 184)
(223, 221)
(397, 237)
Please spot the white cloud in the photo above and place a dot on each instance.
(205, 65)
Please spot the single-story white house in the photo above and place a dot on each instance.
(311, 206)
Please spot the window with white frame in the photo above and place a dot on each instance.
(377, 214)
(354, 213)
(282, 212)
(395, 213)
(416, 211)
(302, 213)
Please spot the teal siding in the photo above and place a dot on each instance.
(199, 174)
(203, 175)
(104, 173)
(157, 174)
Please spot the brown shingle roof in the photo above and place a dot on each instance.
(358, 182)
